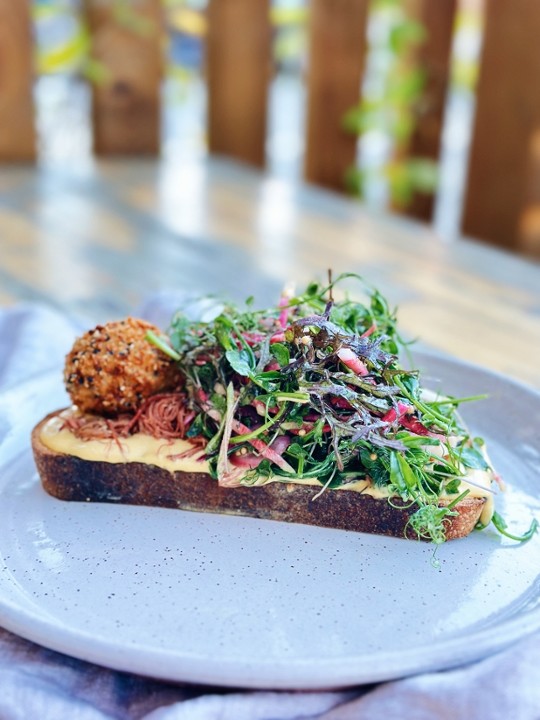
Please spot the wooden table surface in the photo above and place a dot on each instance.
(95, 240)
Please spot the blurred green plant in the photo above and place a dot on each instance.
(290, 33)
(70, 53)
(126, 15)
(68, 45)
(390, 105)
(66, 42)
(464, 71)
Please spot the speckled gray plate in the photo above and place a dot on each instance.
(237, 601)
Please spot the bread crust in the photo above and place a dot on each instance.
(67, 477)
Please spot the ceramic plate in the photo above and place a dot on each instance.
(242, 602)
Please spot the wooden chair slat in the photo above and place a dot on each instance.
(502, 203)
(126, 93)
(17, 135)
(238, 67)
(337, 44)
(433, 57)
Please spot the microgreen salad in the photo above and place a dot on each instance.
(313, 389)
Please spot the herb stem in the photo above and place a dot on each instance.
(258, 431)
(457, 401)
(297, 397)
(501, 526)
(161, 344)
(425, 409)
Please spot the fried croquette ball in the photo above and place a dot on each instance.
(113, 368)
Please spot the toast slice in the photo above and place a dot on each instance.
(68, 477)
(300, 413)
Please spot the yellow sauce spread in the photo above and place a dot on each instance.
(181, 456)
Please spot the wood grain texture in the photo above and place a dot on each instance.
(17, 136)
(502, 204)
(94, 242)
(238, 68)
(126, 103)
(433, 57)
(337, 45)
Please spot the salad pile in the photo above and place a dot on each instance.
(313, 389)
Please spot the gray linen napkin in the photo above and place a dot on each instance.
(39, 683)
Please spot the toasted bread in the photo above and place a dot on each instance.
(69, 477)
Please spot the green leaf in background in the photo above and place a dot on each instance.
(126, 15)
(288, 16)
(355, 181)
(96, 72)
(401, 189)
(404, 123)
(390, 108)
(406, 85)
(406, 34)
(410, 176)
(423, 174)
(73, 52)
(70, 55)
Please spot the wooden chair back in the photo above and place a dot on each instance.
(502, 198)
